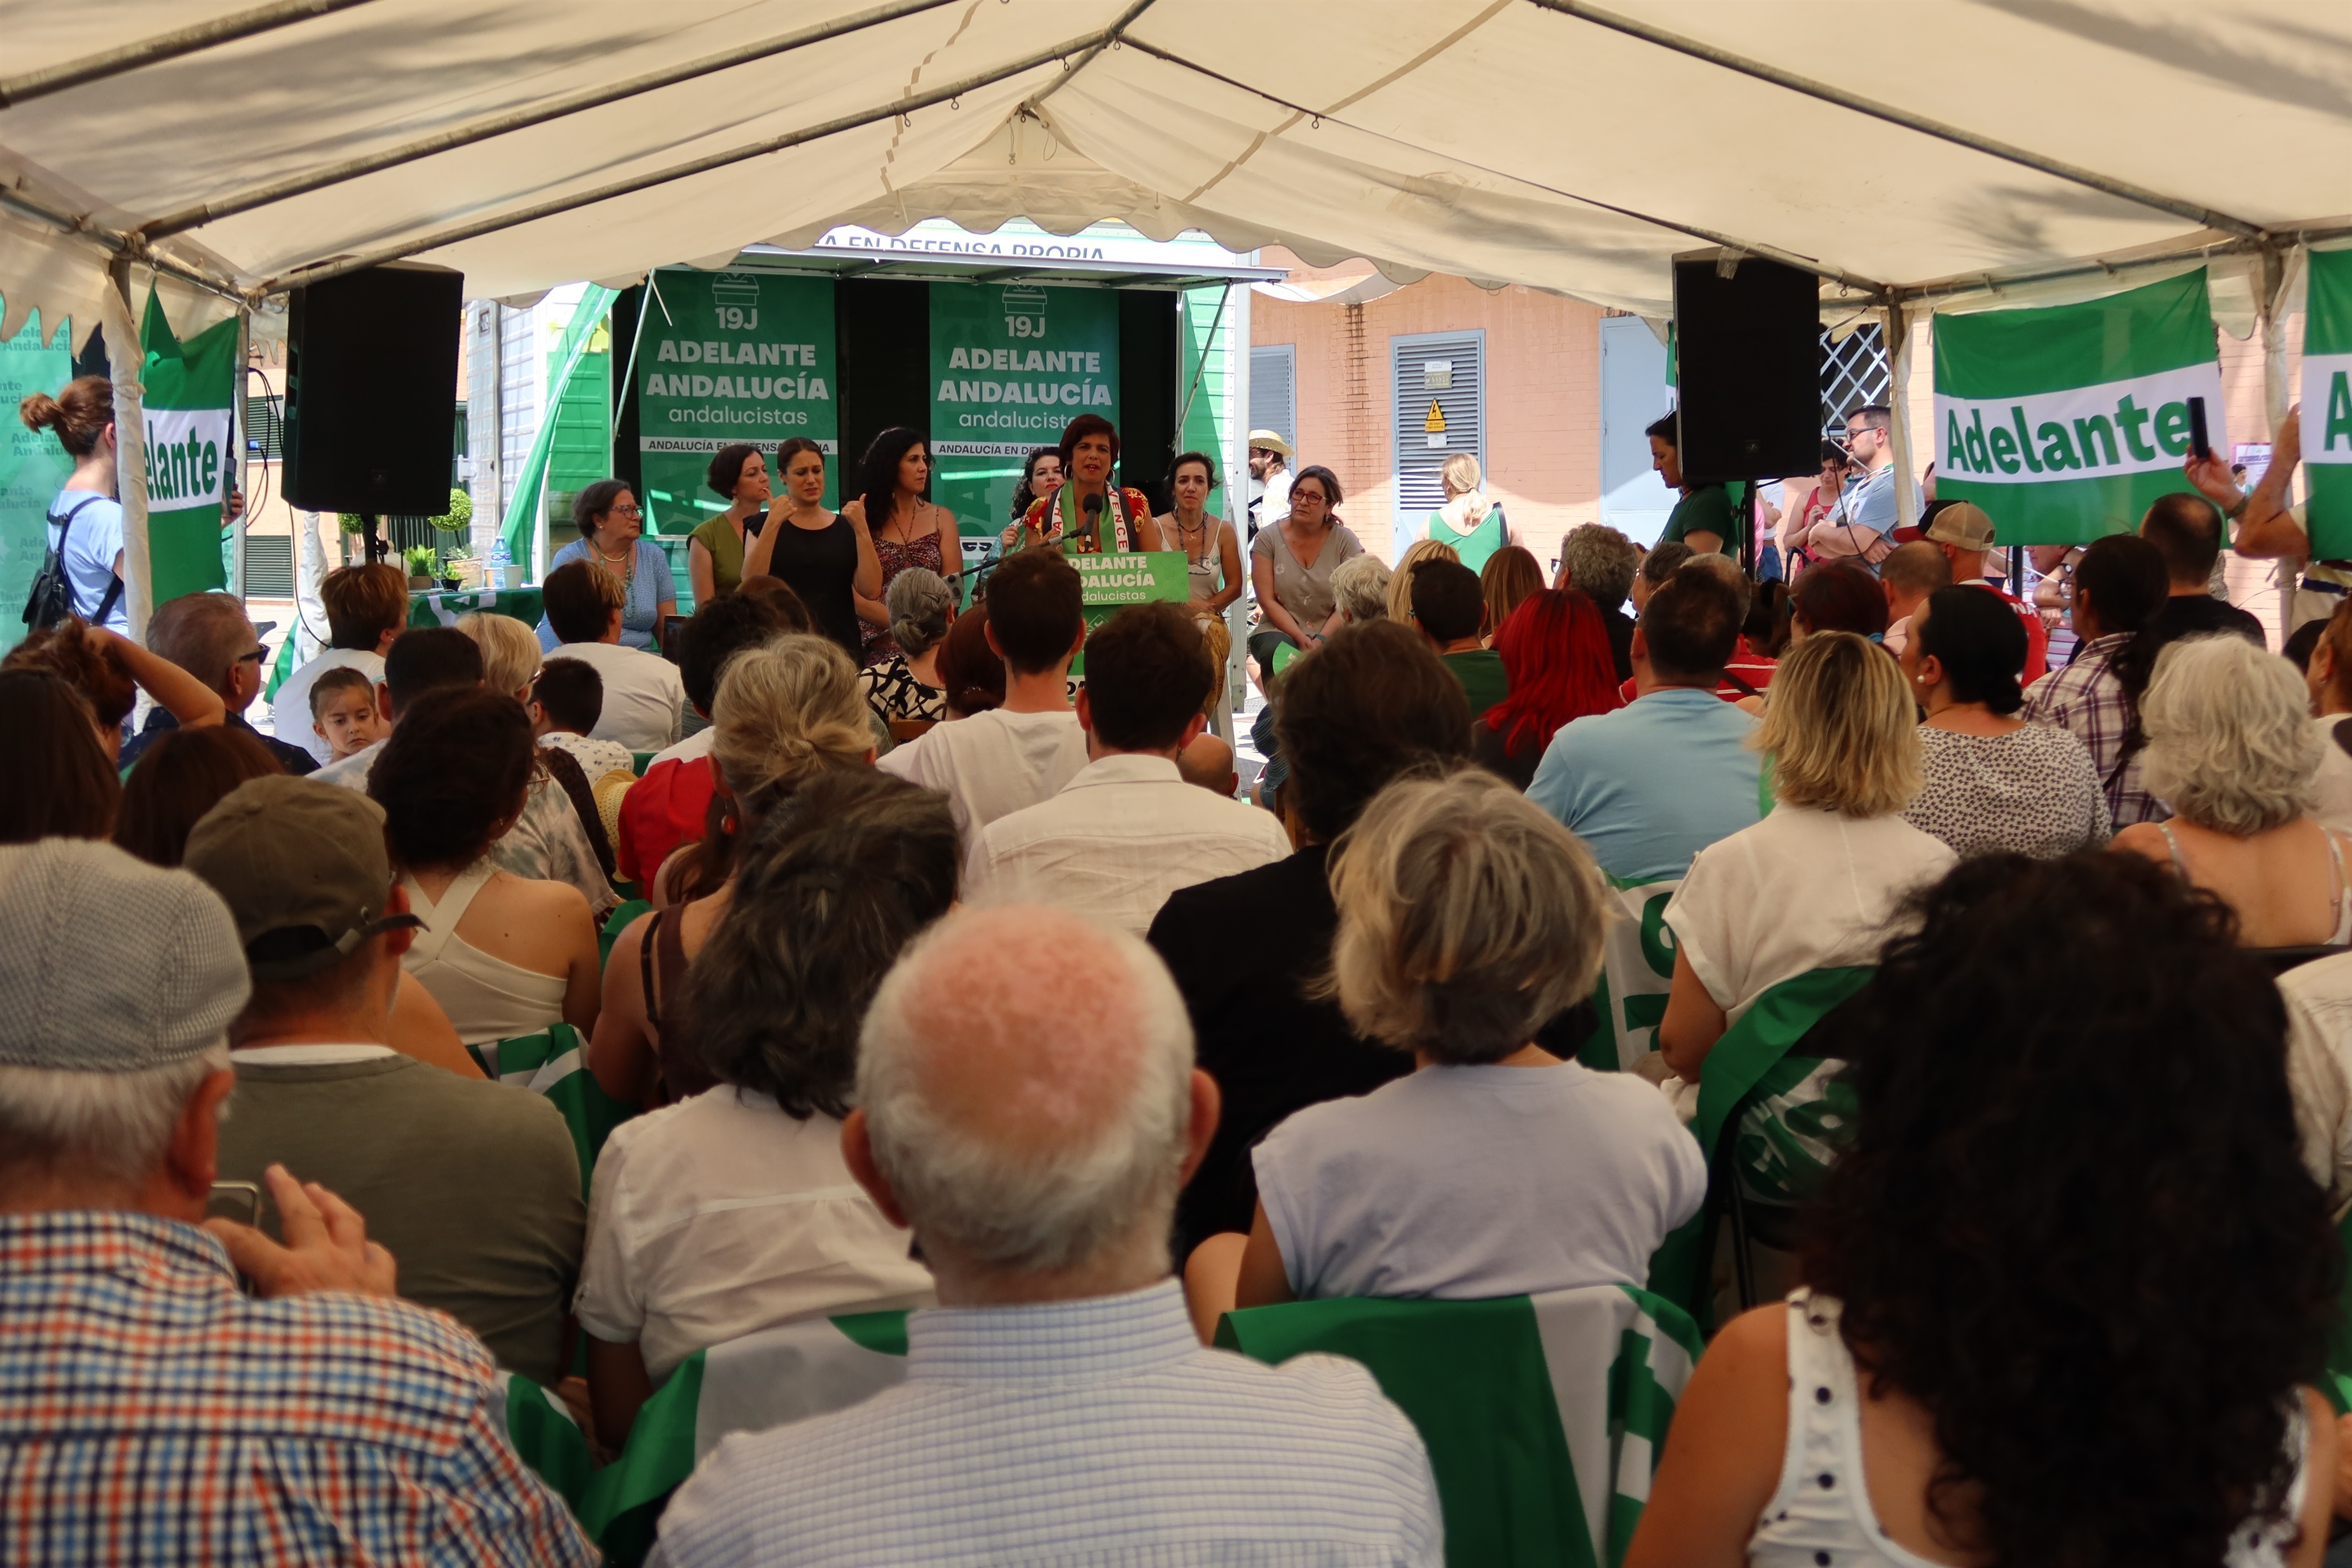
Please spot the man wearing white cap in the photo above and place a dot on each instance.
(1269, 464)
(148, 1409)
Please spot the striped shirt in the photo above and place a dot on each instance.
(148, 1412)
(1090, 1434)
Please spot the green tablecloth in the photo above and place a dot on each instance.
(438, 609)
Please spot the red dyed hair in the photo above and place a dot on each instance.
(1555, 649)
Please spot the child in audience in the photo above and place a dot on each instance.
(566, 700)
(343, 712)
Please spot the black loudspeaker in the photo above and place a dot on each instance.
(1747, 369)
(372, 391)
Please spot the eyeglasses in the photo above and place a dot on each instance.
(253, 658)
(628, 511)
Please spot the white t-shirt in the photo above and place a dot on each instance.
(1120, 837)
(721, 1216)
(1458, 1183)
(1803, 889)
(2319, 1071)
(993, 764)
(2333, 788)
(645, 700)
(289, 710)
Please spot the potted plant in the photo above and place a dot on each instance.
(420, 565)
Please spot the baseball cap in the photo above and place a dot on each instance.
(1267, 441)
(109, 964)
(302, 868)
(1964, 524)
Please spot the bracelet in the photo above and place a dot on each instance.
(2245, 500)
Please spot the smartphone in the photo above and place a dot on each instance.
(238, 1200)
(2200, 445)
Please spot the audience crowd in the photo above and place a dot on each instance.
(2016, 998)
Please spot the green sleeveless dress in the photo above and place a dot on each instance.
(1476, 547)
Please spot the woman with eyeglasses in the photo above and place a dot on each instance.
(611, 524)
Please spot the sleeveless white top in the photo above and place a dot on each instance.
(485, 998)
(1821, 1511)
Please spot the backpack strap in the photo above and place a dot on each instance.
(65, 531)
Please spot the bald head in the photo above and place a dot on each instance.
(1911, 573)
(1209, 762)
(1025, 1083)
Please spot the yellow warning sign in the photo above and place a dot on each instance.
(1436, 420)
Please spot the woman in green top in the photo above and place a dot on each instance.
(714, 552)
(1468, 521)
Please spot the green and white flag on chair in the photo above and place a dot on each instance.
(763, 1380)
(2327, 403)
(2065, 423)
(554, 1064)
(1544, 1415)
(1637, 971)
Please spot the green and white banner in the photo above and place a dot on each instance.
(726, 357)
(2327, 403)
(2063, 423)
(33, 465)
(191, 461)
(1012, 364)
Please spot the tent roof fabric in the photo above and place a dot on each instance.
(1550, 143)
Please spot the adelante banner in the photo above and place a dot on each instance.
(2327, 403)
(729, 357)
(191, 465)
(1011, 365)
(2065, 423)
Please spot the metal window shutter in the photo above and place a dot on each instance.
(1273, 391)
(269, 566)
(1449, 372)
(265, 428)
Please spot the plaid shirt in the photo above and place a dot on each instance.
(2087, 697)
(151, 1414)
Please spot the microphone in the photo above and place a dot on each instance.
(1093, 506)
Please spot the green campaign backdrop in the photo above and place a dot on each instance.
(2327, 403)
(1011, 364)
(191, 461)
(727, 357)
(2065, 423)
(33, 466)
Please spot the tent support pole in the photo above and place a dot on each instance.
(2056, 168)
(1111, 35)
(1898, 407)
(125, 364)
(516, 217)
(1876, 291)
(23, 88)
(247, 200)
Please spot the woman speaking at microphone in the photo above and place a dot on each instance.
(1088, 515)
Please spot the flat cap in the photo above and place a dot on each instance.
(109, 964)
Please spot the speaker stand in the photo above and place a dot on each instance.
(371, 538)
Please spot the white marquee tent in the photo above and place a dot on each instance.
(1910, 152)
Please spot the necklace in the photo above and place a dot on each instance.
(1188, 532)
(628, 556)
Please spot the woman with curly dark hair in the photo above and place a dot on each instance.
(2072, 1250)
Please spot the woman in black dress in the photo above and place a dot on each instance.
(827, 558)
